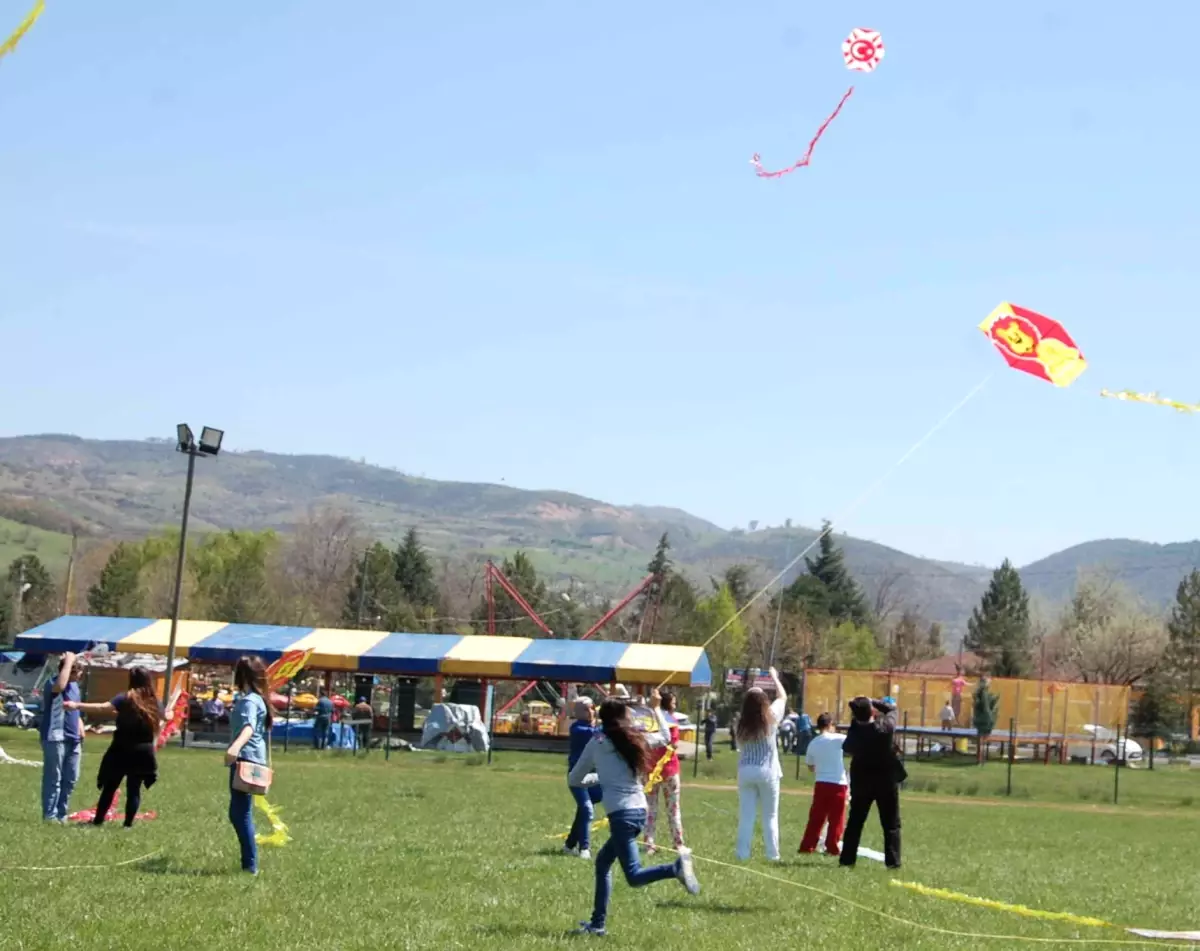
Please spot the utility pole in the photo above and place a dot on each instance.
(19, 597)
(66, 606)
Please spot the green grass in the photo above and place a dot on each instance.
(443, 852)
(53, 548)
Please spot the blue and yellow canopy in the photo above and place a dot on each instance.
(380, 652)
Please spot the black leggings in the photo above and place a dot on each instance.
(133, 799)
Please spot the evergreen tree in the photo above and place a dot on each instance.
(737, 580)
(1182, 661)
(118, 592)
(662, 568)
(983, 716)
(809, 598)
(846, 602)
(1157, 713)
(375, 588)
(35, 605)
(414, 573)
(933, 640)
(998, 630)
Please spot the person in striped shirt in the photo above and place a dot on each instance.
(759, 771)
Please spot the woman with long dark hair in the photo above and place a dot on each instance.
(759, 771)
(250, 723)
(616, 758)
(669, 785)
(131, 755)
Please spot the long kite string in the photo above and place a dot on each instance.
(803, 160)
(26, 25)
(854, 506)
(70, 868)
(933, 929)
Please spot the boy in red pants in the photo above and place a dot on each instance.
(824, 759)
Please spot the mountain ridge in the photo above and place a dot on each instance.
(127, 488)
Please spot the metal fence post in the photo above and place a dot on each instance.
(1117, 766)
(1012, 749)
(387, 753)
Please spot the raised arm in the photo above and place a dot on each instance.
(64, 673)
(779, 704)
(663, 736)
(886, 723)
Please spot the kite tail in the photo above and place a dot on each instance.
(278, 835)
(804, 160)
(26, 25)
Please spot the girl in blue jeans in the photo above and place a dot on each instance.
(250, 721)
(616, 759)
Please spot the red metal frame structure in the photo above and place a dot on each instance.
(493, 573)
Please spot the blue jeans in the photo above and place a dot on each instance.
(625, 826)
(241, 814)
(60, 773)
(581, 829)
(320, 733)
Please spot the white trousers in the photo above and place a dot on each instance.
(758, 792)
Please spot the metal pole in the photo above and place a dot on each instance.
(287, 723)
(183, 528)
(19, 603)
(387, 753)
(1117, 765)
(699, 727)
(362, 589)
(1012, 747)
(66, 608)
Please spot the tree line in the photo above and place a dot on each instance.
(328, 572)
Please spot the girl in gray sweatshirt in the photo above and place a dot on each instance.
(618, 759)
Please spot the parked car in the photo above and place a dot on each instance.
(1107, 750)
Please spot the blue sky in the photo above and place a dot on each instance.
(522, 242)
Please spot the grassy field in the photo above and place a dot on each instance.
(53, 548)
(447, 852)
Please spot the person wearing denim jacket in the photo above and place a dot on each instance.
(250, 722)
(62, 741)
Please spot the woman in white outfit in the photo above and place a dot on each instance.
(759, 771)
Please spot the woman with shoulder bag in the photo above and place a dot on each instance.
(249, 771)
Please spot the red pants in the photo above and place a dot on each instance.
(828, 805)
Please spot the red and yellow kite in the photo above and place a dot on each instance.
(284, 669)
(1034, 343)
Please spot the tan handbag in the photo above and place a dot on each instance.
(252, 778)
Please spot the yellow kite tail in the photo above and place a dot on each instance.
(26, 25)
(1152, 398)
(278, 835)
(655, 776)
(1002, 906)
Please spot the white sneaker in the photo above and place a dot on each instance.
(686, 873)
(585, 854)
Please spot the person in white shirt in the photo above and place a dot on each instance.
(949, 720)
(824, 759)
(759, 771)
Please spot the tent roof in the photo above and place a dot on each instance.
(383, 652)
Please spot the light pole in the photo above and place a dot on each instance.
(209, 445)
(23, 587)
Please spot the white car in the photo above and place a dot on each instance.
(1107, 750)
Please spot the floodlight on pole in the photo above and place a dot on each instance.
(209, 445)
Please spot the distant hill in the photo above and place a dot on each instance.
(1153, 571)
(129, 488)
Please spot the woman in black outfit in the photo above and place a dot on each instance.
(131, 757)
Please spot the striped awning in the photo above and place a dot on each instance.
(383, 652)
